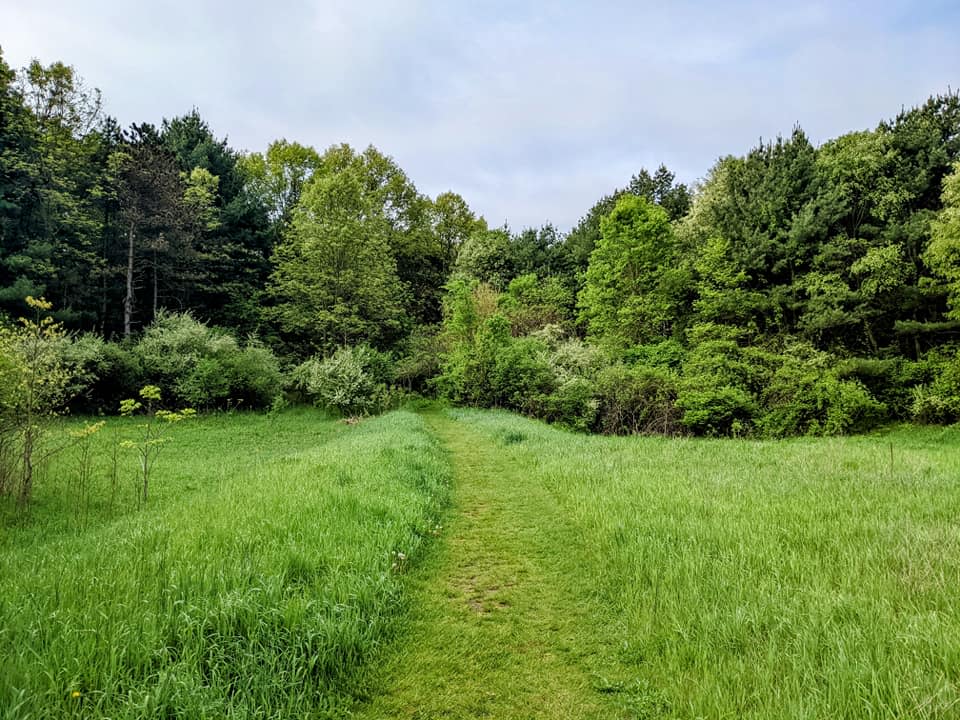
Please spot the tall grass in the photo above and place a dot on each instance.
(260, 582)
(742, 579)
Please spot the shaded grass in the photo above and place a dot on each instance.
(261, 581)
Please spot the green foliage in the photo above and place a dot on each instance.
(660, 188)
(850, 247)
(632, 284)
(573, 405)
(938, 399)
(206, 367)
(34, 384)
(353, 381)
(637, 399)
(715, 409)
(493, 369)
(454, 223)
(805, 396)
(888, 380)
(532, 303)
(102, 373)
(151, 436)
(335, 280)
(486, 256)
(418, 361)
(943, 253)
(278, 176)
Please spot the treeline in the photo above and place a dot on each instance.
(797, 289)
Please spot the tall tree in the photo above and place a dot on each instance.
(233, 246)
(411, 238)
(19, 202)
(453, 222)
(660, 188)
(633, 283)
(335, 280)
(157, 220)
(943, 252)
(55, 249)
(277, 177)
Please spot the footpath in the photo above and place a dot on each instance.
(497, 626)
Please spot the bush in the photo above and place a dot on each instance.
(352, 381)
(571, 357)
(807, 396)
(889, 380)
(520, 373)
(938, 401)
(419, 361)
(206, 367)
(849, 407)
(636, 400)
(103, 373)
(666, 354)
(572, 405)
(711, 409)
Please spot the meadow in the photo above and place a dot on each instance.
(469, 563)
(259, 580)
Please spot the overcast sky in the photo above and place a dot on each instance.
(530, 110)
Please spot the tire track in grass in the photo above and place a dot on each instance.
(497, 627)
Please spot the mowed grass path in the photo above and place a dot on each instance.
(585, 577)
(502, 624)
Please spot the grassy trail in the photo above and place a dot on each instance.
(500, 625)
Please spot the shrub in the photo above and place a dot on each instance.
(710, 409)
(667, 354)
(572, 357)
(419, 361)
(636, 400)
(532, 303)
(849, 407)
(573, 405)
(206, 367)
(807, 396)
(889, 380)
(352, 381)
(468, 365)
(520, 373)
(34, 383)
(255, 376)
(938, 401)
(103, 373)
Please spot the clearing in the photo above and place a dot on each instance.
(295, 566)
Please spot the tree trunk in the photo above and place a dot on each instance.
(155, 292)
(128, 300)
(26, 479)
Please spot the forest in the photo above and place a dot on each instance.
(796, 289)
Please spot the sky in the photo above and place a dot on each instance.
(530, 110)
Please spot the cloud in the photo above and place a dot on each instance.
(532, 111)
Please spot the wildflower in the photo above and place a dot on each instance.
(75, 694)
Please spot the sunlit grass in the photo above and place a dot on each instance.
(258, 582)
(575, 576)
(803, 578)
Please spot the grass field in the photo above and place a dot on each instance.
(574, 576)
(258, 582)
